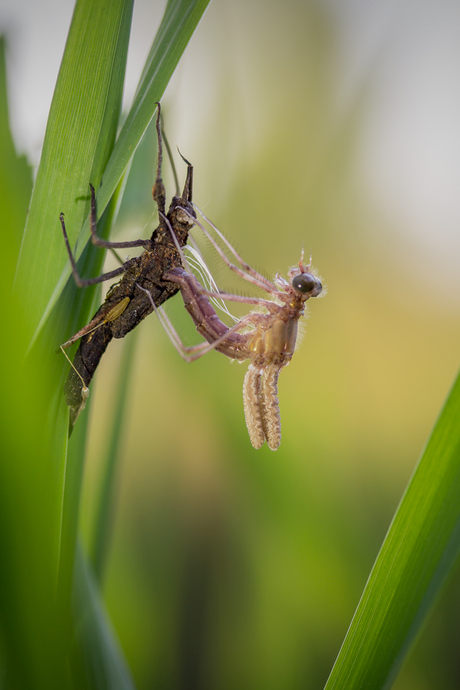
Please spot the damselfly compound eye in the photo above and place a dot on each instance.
(305, 283)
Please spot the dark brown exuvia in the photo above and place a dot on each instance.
(126, 305)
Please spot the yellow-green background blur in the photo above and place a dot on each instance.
(333, 127)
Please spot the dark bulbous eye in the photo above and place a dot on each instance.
(305, 282)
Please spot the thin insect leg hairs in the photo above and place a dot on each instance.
(267, 336)
(126, 305)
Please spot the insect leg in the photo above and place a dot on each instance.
(257, 280)
(84, 387)
(219, 295)
(158, 191)
(98, 241)
(99, 320)
(171, 160)
(190, 354)
(241, 298)
(266, 285)
(83, 282)
(246, 272)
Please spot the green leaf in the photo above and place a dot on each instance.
(41, 498)
(80, 134)
(104, 658)
(15, 174)
(40, 487)
(417, 556)
(102, 530)
(83, 158)
(31, 646)
(79, 138)
(179, 22)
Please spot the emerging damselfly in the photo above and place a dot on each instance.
(266, 336)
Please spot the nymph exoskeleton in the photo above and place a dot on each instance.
(125, 305)
(267, 336)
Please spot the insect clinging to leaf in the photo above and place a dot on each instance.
(266, 336)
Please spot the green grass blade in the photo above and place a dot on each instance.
(80, 134)
(179, 22)
(76, 453)
(104, 659)
(32, 649)
(15, 174)
(418, 554)
(104, 510)
(79, 138)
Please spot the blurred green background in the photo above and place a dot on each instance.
(329, 126)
